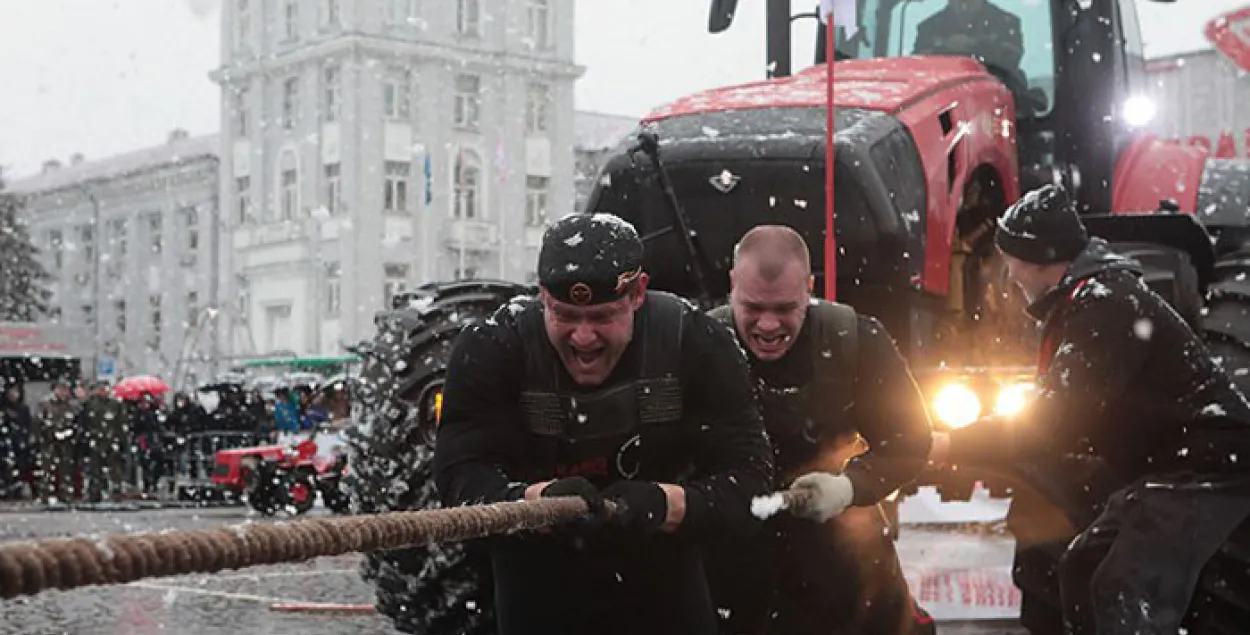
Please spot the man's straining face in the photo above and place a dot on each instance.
(591, 339)
(769, 312)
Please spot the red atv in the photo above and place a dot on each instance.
(283, 476)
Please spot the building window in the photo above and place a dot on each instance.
(154, 306)
(119, 310)
(88, 315)
(191, 222)
(396, 100)
(278, 327)
(396, 281)
(334, 189)
(290, 19)
(193, 308)
(243, 199)
(468, 17)
(290, 194)
(468, 104)
(155, 229)
(117, 236)
(55, 243)
(537, 108)
(395, 197)
(242, 25)
(538, 23)
(241, 112)
(86, 238)
(334, 289)
(331, 16)
(330, 97)
(536, 195)
(468, 175)
(290, 102)
(467, 273)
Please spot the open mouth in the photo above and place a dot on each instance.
(771, 343)
(587, 359)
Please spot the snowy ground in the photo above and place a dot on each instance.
(957, 575)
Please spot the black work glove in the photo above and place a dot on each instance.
(641, 506)
(580, 487)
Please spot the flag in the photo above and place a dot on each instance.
(429, 180)
(843, 14)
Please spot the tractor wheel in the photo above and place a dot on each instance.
(1226, 321)
(443, 588)
(332, 494)
(265, 490)
(299, 491)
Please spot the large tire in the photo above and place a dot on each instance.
(1226, 320)
(444, 588)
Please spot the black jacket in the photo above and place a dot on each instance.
(887, 409)
(553, 583)
(1123, 378)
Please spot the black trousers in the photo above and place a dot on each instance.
(798, 577)
(1135, 569)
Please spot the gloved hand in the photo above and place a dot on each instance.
(641, 506)
(580, 487)
(829, 494)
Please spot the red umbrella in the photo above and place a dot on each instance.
(139, 385)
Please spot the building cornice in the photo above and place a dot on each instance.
(359, 43)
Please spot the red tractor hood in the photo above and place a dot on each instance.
(885, 84)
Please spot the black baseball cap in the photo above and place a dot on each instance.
(590, 258)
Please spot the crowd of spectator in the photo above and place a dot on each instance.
(83, 443)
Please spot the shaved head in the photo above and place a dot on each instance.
(772, 249)
(769, 289)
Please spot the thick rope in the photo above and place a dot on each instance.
(32, 567)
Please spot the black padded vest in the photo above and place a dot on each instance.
(623, 429)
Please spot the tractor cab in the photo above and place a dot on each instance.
(1075, 68)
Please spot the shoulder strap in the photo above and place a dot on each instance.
(661, 353)
(835, 351)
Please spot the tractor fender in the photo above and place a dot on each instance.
(1182, 232)
(1151, 170)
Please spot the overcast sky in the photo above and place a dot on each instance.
(102, 77)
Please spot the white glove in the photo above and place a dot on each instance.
(829, 494)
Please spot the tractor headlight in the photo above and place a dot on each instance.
(1013, 399)
(1138, 111)
(957, 405)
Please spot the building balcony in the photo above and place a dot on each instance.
(471, 235)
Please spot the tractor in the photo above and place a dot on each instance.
(282, 476)
(935, 137)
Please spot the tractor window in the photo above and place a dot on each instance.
(1013, 38)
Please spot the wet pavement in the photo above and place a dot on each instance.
(229, 603)
(964, 580)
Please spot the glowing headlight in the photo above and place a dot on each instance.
(1138, 111)
(956, 405)
(1013, 399)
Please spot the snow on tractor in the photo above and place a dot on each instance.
(939, 128)
(283, 476)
